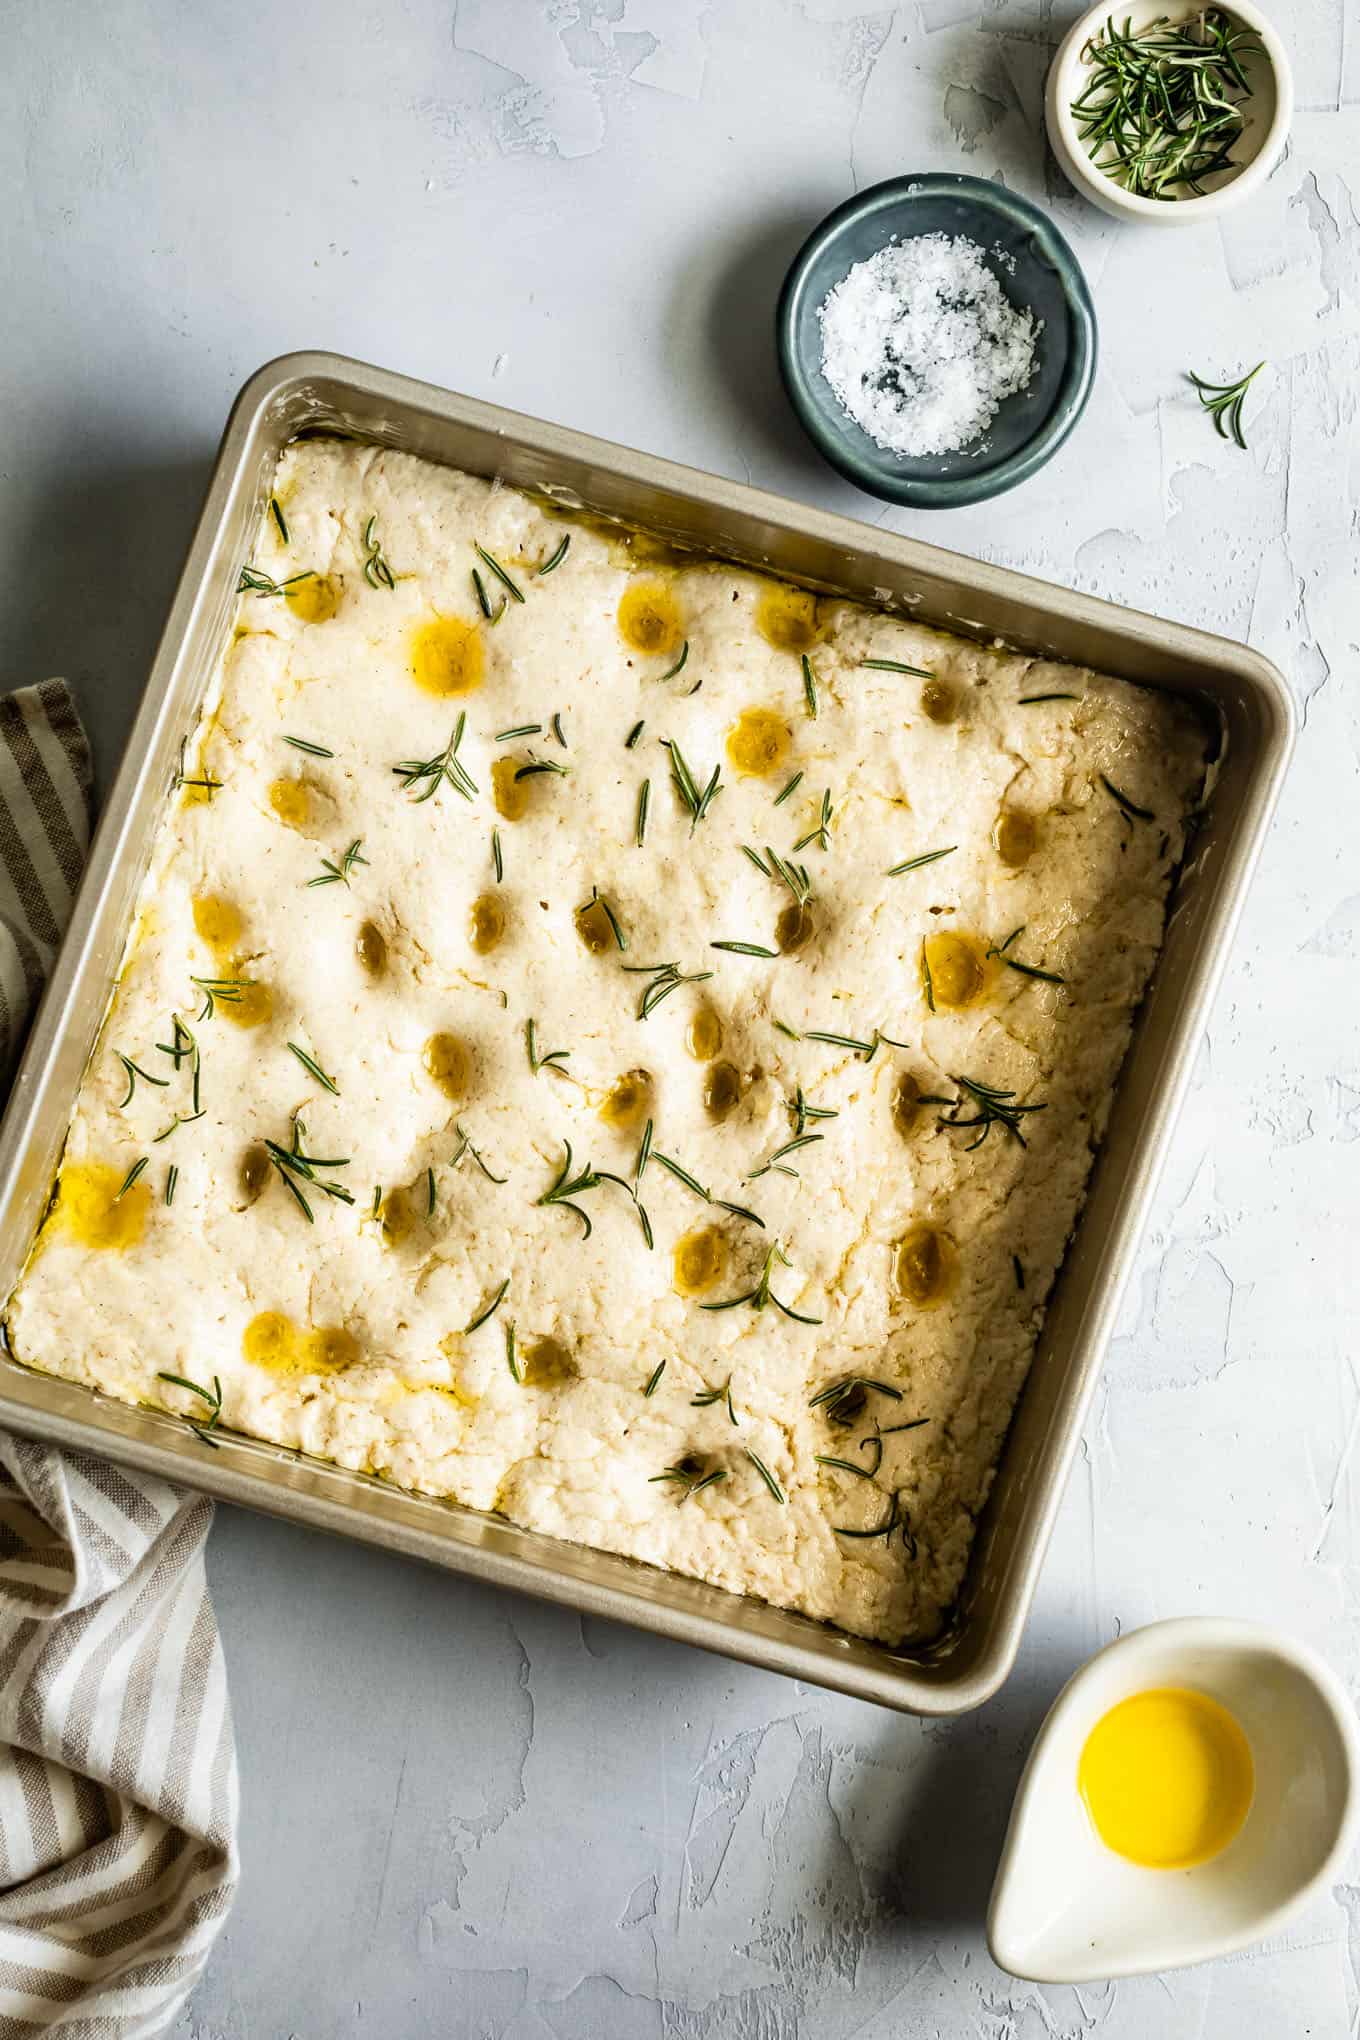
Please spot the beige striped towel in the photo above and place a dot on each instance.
(117, 1765)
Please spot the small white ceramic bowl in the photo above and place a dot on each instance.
(1067, 1909)
(1268, 114)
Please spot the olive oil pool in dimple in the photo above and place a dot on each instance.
(1167, 1778)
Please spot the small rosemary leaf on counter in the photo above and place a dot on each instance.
(789, 787)
(654, 1377)
(897, 666)
(550, 565)
(131, 1177)
(1224, 402)
(1125, 805)
(644, 797)
(314, 1069)
(134, 1070)
(493, 565)
(679, 665)
(631, 739)
(276, 512)
(809, 687)
(916, 863)
(745, 949)
(488, 1311)
(339, 874)
(763, 1470)
(305, 744)
(171, 1179)
(1028, 700)
(528, 729)
(511, 1356)
(496, 857)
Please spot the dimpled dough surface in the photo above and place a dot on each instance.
(410, 979)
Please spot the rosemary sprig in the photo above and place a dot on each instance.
(253, 582)
(493, 565)
(744, 949)
(292, 1163)
(916, 863)
(794, 876)
(1129, 808)
(209, 785)
(1224, 402)
(843, 1402)
(896, 666)
(763, 1294)
(305, 744)
(527, 729)
(643, 799)
(488, 1310)
(679, 665)
(314, 1069)
(695, 803)
(228, 990)
(180, 1044)
(665, 979)
(681, 1174)
(180, 1119)
(339, 874)
(777, 1159)
(468, 1149)
(844, 1465)
(1164, 105)
(555, 1058)
(708, 1396)
(568, 1187)
(821, 833)
(631, 739)
(131, 1177)
(802, 1111)
(1030, 970)
(597, 899)
(654, 1378)
(789, 787)
(171, 1179)
(446, 765)
(550, 565)
(276, 512)
(896, 1519)
(809, 687)
(993, 1108)
(377, 573)
(493, 616)
(536, 766)
(689, 1474)
(132, 1071)
(763, 1470)
(200, 1426)
(644, 1152)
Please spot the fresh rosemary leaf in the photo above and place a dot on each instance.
(654, 1378)
(1128, 807)
(496, 857)
(763, 1470)
(708, 1396)
(915, 863)
(494, 566)
(843, 1465)
(528, 729)
(1030, 970)
(1028, 700)
(784, 1027)
(679, 665)
(1019, 1268)
(763, 1294)
(568, 1187)
(597, 899)
(276, 512)
(788, 788)
(540, 765)
(681, 1174)
(228, 990)
(468, 1149)
(790, 1147)
(993, 1108)
(207, 783)
(484, 600)
(429, 1193)
(644, 1152)
(740, 1211)
(896, 666)
(252, 582)
(1164, 105)
(200, 1426)
(809, 687)
(550, 565)
(631, 739)
(744, 949)
(131, 1177)
(339, 874)
(868, 1049)
(555, 1058)
(171, 1179)
(689, 1474)
(445, 766)
(821, 834)
(314, 1069)
(312, 750)
(666, 978)
(794, 876)
(488, 1310)
(686, 786)
(644, 796)
(928, 977)
(558, 732)
(377, 573)
(844, 1401)
(511, 1356)
(180, 1119)
(132, 1071)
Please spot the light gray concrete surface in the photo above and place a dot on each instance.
(466, 1815)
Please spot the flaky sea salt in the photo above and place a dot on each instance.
(921, 344)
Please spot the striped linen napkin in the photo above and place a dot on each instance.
(117, 1765)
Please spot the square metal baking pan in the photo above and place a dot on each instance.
(1246, 696)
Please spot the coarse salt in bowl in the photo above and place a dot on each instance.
(937, 339)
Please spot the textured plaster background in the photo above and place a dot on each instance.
(468, 1816)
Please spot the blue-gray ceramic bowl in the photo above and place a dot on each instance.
(1030, 426)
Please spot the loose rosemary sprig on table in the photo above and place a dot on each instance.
(412, 771)
(200, 1426)
(339, 874)
(1224, 402)
(1164, 105)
